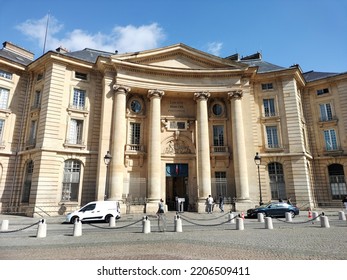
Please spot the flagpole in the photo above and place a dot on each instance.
(44, 44)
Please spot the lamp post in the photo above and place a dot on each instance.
(257, 160)
(107, 160)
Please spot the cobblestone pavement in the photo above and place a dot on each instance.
(204, 237)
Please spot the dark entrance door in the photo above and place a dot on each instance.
(176, 184)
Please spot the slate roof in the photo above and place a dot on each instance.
(17, 58)
(313, 75)
(263, 66)
(88, 55)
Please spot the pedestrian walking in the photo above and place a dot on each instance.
(209, 204)
(160, 207)
(221, 203)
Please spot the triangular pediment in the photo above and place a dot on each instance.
(179, 56)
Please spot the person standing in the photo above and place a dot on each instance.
(209, 204)
(221, 203)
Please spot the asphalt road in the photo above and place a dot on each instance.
(203, 237)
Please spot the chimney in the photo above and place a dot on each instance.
(62, 50)
(18, 50)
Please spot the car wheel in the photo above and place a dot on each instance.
(292, 214)
(108, 218)
(74, 219)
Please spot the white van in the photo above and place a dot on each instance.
(95, 211)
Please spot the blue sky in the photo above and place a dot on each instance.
(311, 33)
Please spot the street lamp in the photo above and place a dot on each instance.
(257, 160)
(107, 160)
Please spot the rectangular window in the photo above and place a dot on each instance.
(267, 86)
(2, 125)
(32, 133)
(272, 137)
(330, 140)
(75, 132)
(325, 112)
(81, 76)
(37, 99)
(177, 125)
(221, 183)
(5, 74)
(39, 77)
(322, 91)
(79, 99)
(4, 94)
(218, 135)
(71, 181)
(135, 134)
(269, 107)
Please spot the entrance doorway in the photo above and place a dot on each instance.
(176, 184)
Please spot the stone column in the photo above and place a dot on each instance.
(154, 151)
(118, 142)
(239, 148)
(203, 149)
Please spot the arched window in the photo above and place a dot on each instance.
(277, 184)
(71, 180)
(337, 181)
(29, 168)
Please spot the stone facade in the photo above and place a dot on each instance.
(177, 122)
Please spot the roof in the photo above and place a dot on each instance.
(17, 58)
(89, 55)
(313, 76)
(263, 66)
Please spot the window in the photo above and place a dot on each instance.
(39, 77)
(218, 135)
(221, 183)
(267, 86)
(27, 181)
(71, 180)
(2, 126)
(75, 132)
(5, 74)
(272, 137)
(136, 106)
(277, 184)
(330, 140)
(79, 99)
(4, 94)
(32, 133)
(217, 109)
(337, 181)
(81, 76)
(269, 107)
(177, 125)
(322, 91)
(135, 133)
(37, 99)
(325, 112)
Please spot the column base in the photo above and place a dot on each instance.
(152, 207)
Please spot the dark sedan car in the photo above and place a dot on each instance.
(273, 209)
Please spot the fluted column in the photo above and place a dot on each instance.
(154, 151)
(118, 142)
(239, 148)
(203, 148)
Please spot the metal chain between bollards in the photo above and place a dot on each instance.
(216, 218)
(206, 225)
(125, 226)
(308, 221)
(16, 230)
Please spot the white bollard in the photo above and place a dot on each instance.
(231, 218)
(289, 217)
(178, 224)
(342, 216)
(4, 225)
(112, 221)
(77, 229)
(146, 225)
(324, 222)
(239, 224)
(261, 217)
(314, 217)
(268, 223)
(41, 229)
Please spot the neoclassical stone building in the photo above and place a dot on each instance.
(166, 123)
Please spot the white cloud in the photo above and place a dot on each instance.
(214, 48)
(122, 38)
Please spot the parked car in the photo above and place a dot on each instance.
(95, 211)
(273, 209)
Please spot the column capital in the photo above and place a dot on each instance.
(121, 89)
(155, 93)
(235, 94)
(202, 95)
